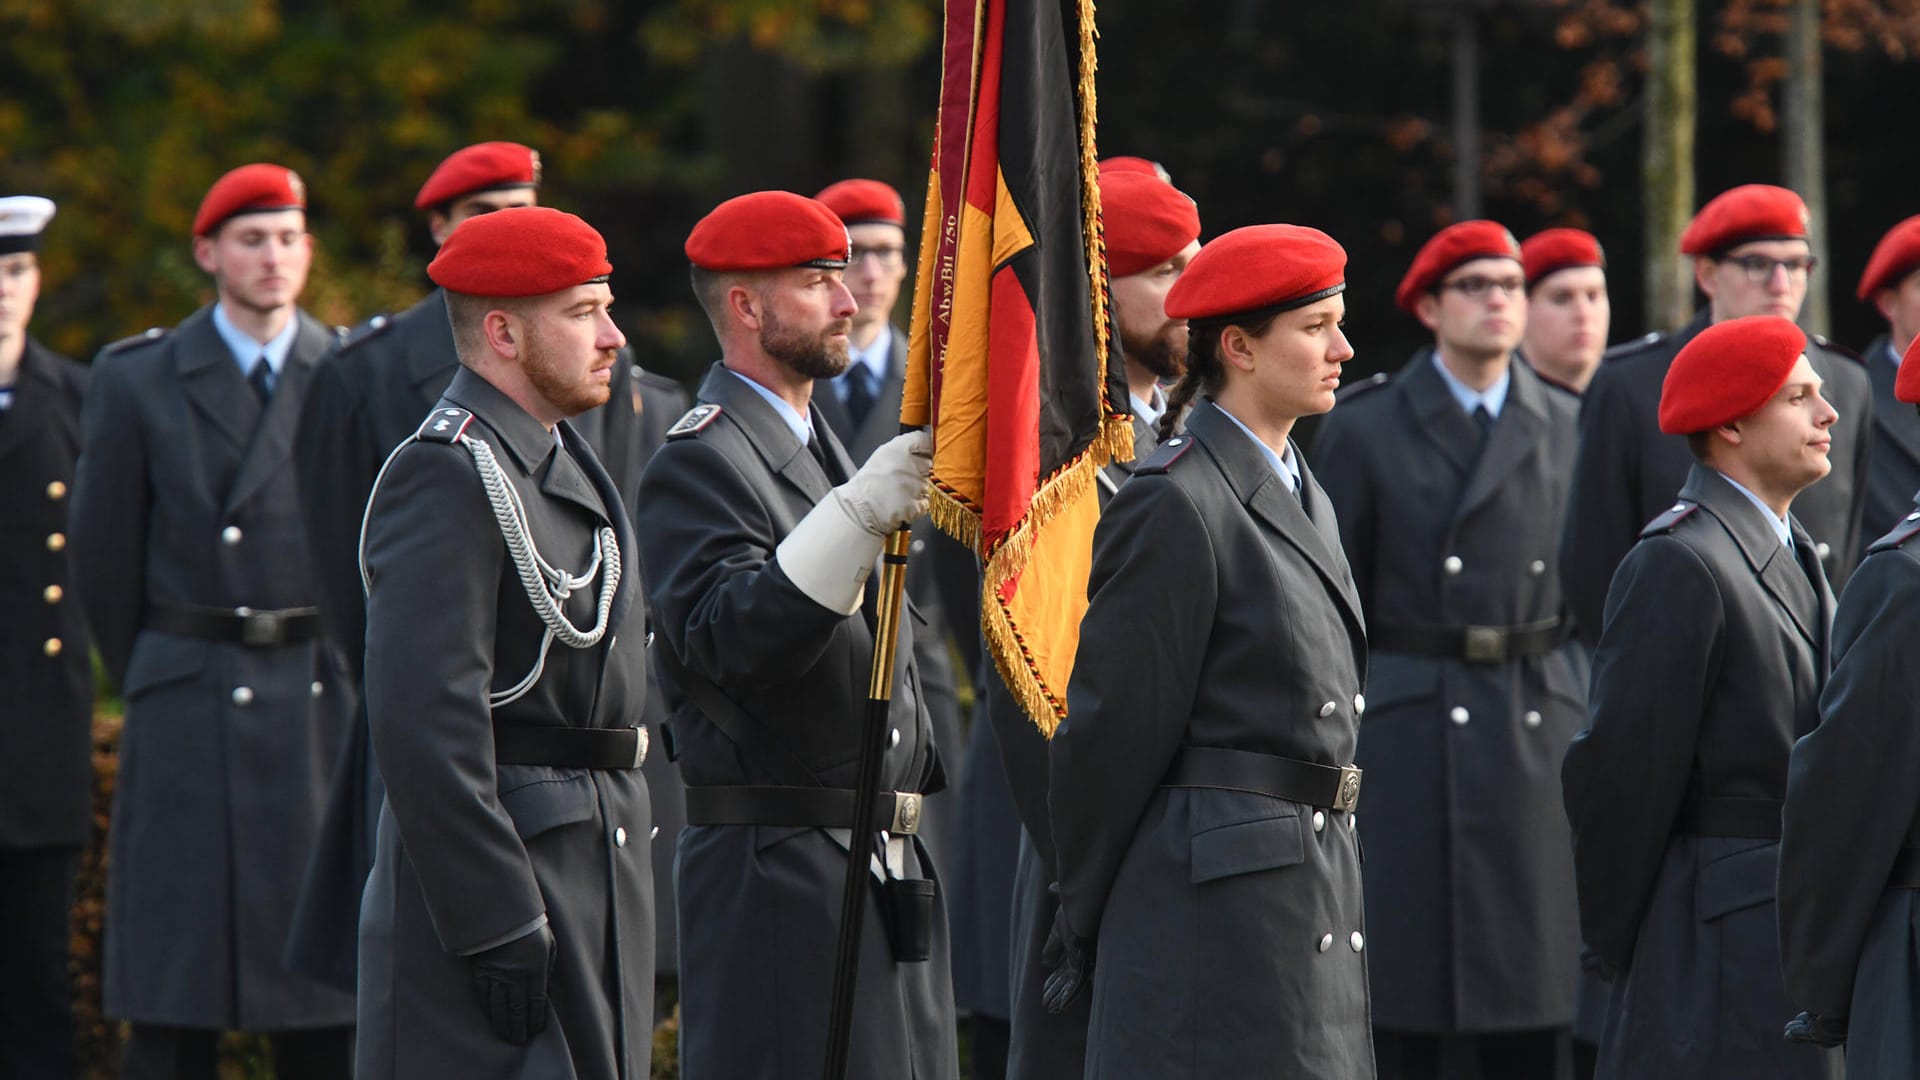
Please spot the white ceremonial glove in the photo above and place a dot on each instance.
(830, 554)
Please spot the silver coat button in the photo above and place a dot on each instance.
(1531, 719)
(1357, 941)
(1319, 821)
(1327, 709)
(243, 695)
(893, 739)
(230, 535)
(1537, 567)
(620, 837)
(1452, 565)
(318, 689)
(1822, 549)
(1326, 942)
(1359, 704)
(1458, 715)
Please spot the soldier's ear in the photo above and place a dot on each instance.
(439, 226)
(1236, 348)
(744, 304)
(502, 333)
(203, 254)
(1427, 309)
(1703, 274)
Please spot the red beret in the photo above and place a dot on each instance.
(487, 166)
(1123, 163)
(250, 189)
(1148, 221)
(1742, 215)
(1451, 246)
(1258, 268)
(1559, 249)
(1728, 371)
(1906, 385)
(769, 230)
(520, 251)
(865, 202)
(1894, 257)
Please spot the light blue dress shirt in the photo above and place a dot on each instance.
(801, 424)
(1780, 527)
(1151, 410)
(1493, 397)
(1284, 464)
(873, 358)
(246, 351)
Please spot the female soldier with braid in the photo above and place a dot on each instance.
(1200, 795)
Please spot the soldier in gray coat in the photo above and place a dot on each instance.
(763, 541)
(1850, 833)
(507, 928)
(1891, 283)
(1750, 257)
(193, 568)
(1711, 664)
(1450, 481)
(1200, 788)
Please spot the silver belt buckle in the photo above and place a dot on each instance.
(1348, 796)
(639, 746)
(1486, 645)
(260, 629)
(906, 813)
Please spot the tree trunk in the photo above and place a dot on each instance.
(1667, 169)
(1804, 148)
(1466, 114)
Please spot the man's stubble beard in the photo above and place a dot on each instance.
(809, 357)
(1159, 354)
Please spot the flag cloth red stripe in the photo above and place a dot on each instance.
(1008, 361)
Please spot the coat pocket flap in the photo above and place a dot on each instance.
(1734, 882)
(1243, 848)
(562, 798)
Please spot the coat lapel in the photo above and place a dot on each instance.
(768, 433)
(1514, 439)
(1437, 415)
(1770, 560)
(210, 377)
(35, 391)
(608, 505)
(272, 441)
(1899, 421)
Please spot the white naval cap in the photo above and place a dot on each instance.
(22, 217)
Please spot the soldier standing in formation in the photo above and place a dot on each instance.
(1750, 257)
(1450, 481)
(46, 739)
(1152, 232)
(763, 540)
(508, 922)
(1710, 665)
(1849, 910)
(193, 567)
(1891, 283)
(1568, 312)
(1200, 787)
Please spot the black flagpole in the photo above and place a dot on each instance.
(866, 799)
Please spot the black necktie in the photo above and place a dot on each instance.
(819, 453)
(859, 392)
(261, 379)
(1485, 419)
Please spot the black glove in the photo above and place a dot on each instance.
(511, 983)
(1811, 1027)
(1068, 959)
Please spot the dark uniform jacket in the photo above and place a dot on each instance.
(1710, 665)
(1893, 477)
(186, 496)
(760, 904)
(1627, 471)
(384, 377)
(473, 853)
(1228, 923)
(46, 727)
(1469, 875)
(1847, 928)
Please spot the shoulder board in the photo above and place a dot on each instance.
(366, 331)
(445, 425)
(1353, 390)
(1165, 455)
(1673, 515)
(1637, 345)
(696, 419)
(1835, 348)
(1909, 527)
(146, 337)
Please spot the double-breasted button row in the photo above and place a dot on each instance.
(1330, 707)
(1460, 717)
(1355, 941)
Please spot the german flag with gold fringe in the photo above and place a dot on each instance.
(1008, 363)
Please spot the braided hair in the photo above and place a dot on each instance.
(1206, 373)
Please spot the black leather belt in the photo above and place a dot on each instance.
(820, 807)
(1747, 819)
(1906, 870)
(236, 626)
(1328, 786)
(1474, 644)
(570, 747)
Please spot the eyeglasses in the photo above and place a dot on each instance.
(1759, 268)
(888, 256)
(1476, 287)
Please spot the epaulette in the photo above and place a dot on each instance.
(445, 425)
(1353, 390)
(1836, 348)
(366, 331)
(146, 337)
(1165, 455)
(1909, 527)
(696, 419)
(1637, 345)
(1672, 516)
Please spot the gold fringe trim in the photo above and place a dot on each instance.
(1093, 223)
